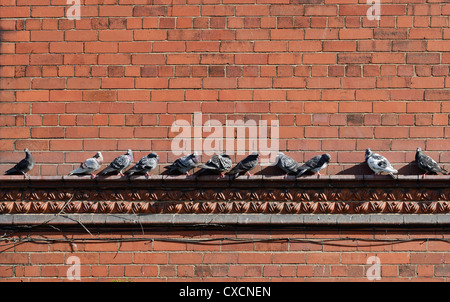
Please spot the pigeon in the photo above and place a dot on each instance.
(427, 164)
(184, 164)
(378, 163)
(145, 165)
(220, 163)
(287, 164)
(89, 166)
(315, 164)
(23, 166)
(245, 165)
(119, 164)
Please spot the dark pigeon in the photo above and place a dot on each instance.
(315, 164)
(23, 166)
(183, 164)
(119, 164)
(219, 163)
(428, 164)
(287, 164)
(245, 166)
(89, 166)
(145, 165)
(378, 163)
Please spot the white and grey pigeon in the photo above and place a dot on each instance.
(145, 165)
(23, 166)
(183, 164)
(427, 164)
(245, 166)
(89, 166)
(379, 164)
(219, 163)
(119, 164)
(315, 164)
(287, 164)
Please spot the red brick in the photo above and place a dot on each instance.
(321, 132)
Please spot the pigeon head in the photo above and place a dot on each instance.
(225, 155)
(419, 149)
(99, 157)
(153, 155)
(195, 157)
(368, 153)
(26, 150)
(327, 157)
(255, 154)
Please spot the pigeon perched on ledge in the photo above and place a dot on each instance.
(145, 165)
(89, 166)
(378, 163)
(428, 164)
(23, 166)
(183, 164)
(315, 164)
(245, 166)
(287, 164)
(219, 163)
(119, 164)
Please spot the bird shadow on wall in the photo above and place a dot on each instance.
(362, 168)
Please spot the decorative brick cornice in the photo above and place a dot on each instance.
(360, 194)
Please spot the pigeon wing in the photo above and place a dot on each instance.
(309, 165)
(428, 164)
(288, 164)
(89, 166)
(145, 164)
(118, 164)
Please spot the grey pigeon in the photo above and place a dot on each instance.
(219, 163)
(119, 164)
(183, 164)
(23, 166)
(89, 166)
(287, 164)
(428, 164)
(378, 163)
(315, 164)
(245, 165)
(145, 165)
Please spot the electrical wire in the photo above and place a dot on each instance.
(221, 240)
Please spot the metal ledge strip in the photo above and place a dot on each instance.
(438, 220)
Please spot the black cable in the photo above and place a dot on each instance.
(222, 240)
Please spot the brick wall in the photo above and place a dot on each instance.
(118, 77)
(313, 257)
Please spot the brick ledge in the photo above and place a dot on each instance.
(349, 194)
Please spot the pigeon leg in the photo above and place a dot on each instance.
(318, 174)
(222, 175)
(286, 176)
(248, 174)
(121, 174)
(147, 175)
(92, 175)
(423, 175)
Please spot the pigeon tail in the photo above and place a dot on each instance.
(301, 172)
(11, 171)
